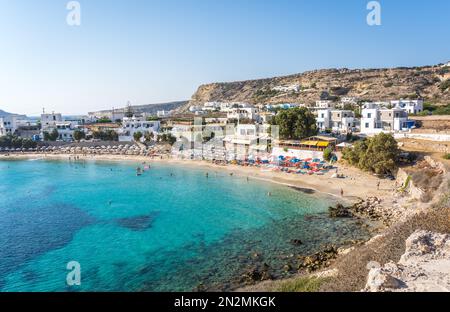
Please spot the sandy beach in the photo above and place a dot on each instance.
(356, 184)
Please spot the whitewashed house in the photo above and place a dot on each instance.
(65, 130)
(336, 120)
(376, 120)
(323, 119)
(163, 113)
(8, 125)
(137, 124)
(411, 106)
(49, 121)
(243, 113)
(325, 104)
(373, 105)
(247, 141)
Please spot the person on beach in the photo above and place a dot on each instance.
(378, 186)
(342, 192)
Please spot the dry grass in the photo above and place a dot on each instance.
(302, 284)
(353, 267)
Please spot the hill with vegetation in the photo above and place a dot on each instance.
(429, 82)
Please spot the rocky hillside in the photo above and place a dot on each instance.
(430, 82)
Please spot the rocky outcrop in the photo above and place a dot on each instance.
(372, 208)
(422, 180)
(425, 266)
(366, 84)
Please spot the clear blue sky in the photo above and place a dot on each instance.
(149, 51)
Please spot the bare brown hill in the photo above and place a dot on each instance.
(430, 82)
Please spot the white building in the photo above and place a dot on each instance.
(291, 88)
(379, 105)
(248, 141)
(283, 106)
(411, 106)
(336, 120)
(243, 113)
(211, 106)
(376, 120)
(137, 124)
(8, 125)
(65, 130)
(49, 121)
(163, 113)
(323, 119)
(325, 104)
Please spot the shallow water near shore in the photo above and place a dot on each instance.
(171, 229)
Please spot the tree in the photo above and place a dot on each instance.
(296, 123)
(108, 135)
(328, 154)
(78, 135)
(149, 136)
(167, 138)
(13, 141)
(52, 136)
(379, 154)
(137, 136)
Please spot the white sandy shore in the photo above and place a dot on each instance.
(356, 184)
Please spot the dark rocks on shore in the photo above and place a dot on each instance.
(318, 260)
(369, 208)
(257, 273)
(340, 211)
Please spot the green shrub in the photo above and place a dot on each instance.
(445, 85)
(328, 154)
(378, 154)
(12, 141)
(446, 156)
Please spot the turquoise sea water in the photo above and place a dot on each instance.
(171, 229)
